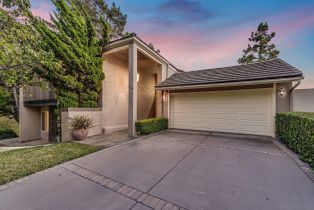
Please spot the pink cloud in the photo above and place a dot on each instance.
(193, 48)
(290, 24)
(43, 10)
(308, 82)
(198, 50)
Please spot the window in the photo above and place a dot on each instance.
(45, 121)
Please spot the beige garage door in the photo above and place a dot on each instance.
(248, 112)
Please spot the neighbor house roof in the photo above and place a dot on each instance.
(275, 69)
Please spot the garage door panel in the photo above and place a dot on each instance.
(253, 117)
(246, 112)
(230, 116)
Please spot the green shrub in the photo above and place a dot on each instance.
(152, 125)
(296, 130)
(9, 128)
(6, 133)
(81, 122)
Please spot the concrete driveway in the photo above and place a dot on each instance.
(171, 170)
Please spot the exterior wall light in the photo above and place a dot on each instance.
(282, 92)
(165, 96)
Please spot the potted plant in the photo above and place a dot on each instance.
(80, 124)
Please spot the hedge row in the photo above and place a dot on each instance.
(296, 130)
(152, 125)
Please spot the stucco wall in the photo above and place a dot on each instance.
(303, 100)
(94, 113)
(29, 125)
(146, 94)
(115, 94)
(170, 72)
(283, 102)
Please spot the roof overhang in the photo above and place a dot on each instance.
(39, 103)
(227, 84)
(123, 43)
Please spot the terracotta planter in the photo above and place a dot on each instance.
(80, 134)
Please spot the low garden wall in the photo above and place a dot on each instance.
(93, 113)
(296, 130)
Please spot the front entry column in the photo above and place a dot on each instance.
(132, 111)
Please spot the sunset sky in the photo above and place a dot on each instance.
(205, 34)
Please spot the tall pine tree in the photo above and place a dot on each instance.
(76, 72)
(99, 10)
(260, 48)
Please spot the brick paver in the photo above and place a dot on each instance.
(123, 189)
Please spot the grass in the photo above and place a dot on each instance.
(9, 128)
(16, 164)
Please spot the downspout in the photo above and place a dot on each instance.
(291, 95)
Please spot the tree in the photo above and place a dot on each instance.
(99, 11)
(76, 72)
(260, 48)
(20, 51)
(7, 107)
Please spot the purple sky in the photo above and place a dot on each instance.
(206, 34)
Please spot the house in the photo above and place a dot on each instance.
(140, 83)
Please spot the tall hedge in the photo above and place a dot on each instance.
(296, 130)
(152, 125)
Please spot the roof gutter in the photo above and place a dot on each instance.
(295, 86)
(252, 82)
(291, 95)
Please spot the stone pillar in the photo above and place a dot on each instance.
(163, 72)
(132, 111)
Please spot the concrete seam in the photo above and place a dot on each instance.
(230, 148)
(175, 165)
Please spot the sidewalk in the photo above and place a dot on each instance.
(15, 143)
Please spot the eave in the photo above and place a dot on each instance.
(227, 84)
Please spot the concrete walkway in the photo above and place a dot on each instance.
(107, 140)
(170, 170)
(15, 143)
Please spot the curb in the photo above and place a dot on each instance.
(295, 158)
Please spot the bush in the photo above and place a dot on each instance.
(81, 122)
(296, 130)
(6, 133)
(9, 128)
(152, 125)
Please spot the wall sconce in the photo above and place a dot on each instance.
(137, 77)
(165, 96)
(282, 92)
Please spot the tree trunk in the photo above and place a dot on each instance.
(16, 100)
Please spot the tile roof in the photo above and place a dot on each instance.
(272, 69)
